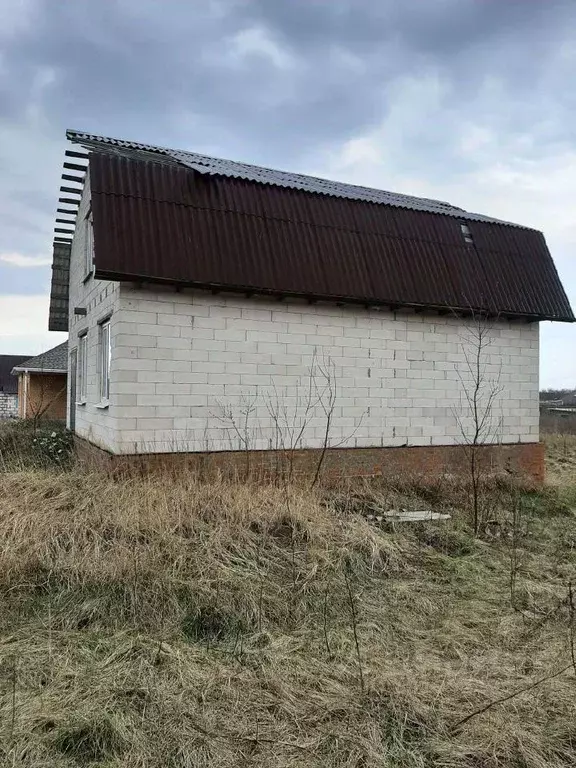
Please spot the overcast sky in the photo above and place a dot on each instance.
(470, 101)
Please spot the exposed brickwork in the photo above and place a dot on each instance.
(525, 460)
(8, 405)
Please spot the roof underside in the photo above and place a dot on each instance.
(173, 217)
(58, 313)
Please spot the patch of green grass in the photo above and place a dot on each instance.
(26, 444)
(89, 742)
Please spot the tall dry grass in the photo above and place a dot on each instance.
(161, 622)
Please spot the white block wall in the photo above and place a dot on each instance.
(194, 372)
(100, 299)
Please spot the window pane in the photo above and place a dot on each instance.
(104, 361)
(89, 245)
(82, 368)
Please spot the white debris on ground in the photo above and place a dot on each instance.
(407, 516)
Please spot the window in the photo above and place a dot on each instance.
(465, 229)
(82, 368)
(104, 362)
(89, 245)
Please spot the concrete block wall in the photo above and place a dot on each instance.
(196, 372)
(100, 298)
(8, 405)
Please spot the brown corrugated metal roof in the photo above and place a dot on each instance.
(164, 222)
(270, 176)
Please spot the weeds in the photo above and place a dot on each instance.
(28, 445)
(163, 622)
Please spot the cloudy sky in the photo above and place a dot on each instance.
(470, 101)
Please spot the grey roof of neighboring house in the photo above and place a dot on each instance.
(231, 168)
(55, 360)
(8, 382)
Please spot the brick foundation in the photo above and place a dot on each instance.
(525, 460)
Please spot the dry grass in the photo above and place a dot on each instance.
(561, 460)
(166, 623)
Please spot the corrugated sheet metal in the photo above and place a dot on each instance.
(285, 180)
(166, 222)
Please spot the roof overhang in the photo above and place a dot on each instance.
(39, 371)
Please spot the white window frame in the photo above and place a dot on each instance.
(82, 369)
(104, 357)
(89, 245)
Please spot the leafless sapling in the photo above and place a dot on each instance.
(476, 416)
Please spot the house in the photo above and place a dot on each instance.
(42, 382)
(220, 310)
(9, 386)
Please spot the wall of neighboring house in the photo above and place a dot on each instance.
(8, 405)
(94, 420)
(197, 372)
(45, 396)
(22, 385)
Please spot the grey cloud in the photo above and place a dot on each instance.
(118, 63)
(165, 73)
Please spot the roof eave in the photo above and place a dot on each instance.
(16, 371)
(100, 274)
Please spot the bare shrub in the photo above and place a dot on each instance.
(478, 421)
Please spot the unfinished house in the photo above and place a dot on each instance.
(42, 384)
(217, 309)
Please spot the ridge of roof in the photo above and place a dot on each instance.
(55, 359)
(206, 164)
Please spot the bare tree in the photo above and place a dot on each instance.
(239, 427)
(327, 400)
(291, 412)
(476, 416)
(38, 405)
(290, 420)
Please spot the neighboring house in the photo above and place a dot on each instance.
(199, 293)
(9, 386)
(42, 384)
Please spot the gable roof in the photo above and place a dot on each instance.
(177, 217)
(9, 382)
(54, 360)
(214, 166)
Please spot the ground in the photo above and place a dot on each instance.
(156, 621)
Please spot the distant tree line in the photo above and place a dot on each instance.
(557, 394)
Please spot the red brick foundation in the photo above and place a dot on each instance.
(523, 460)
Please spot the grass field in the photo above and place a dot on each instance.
(162, 623)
